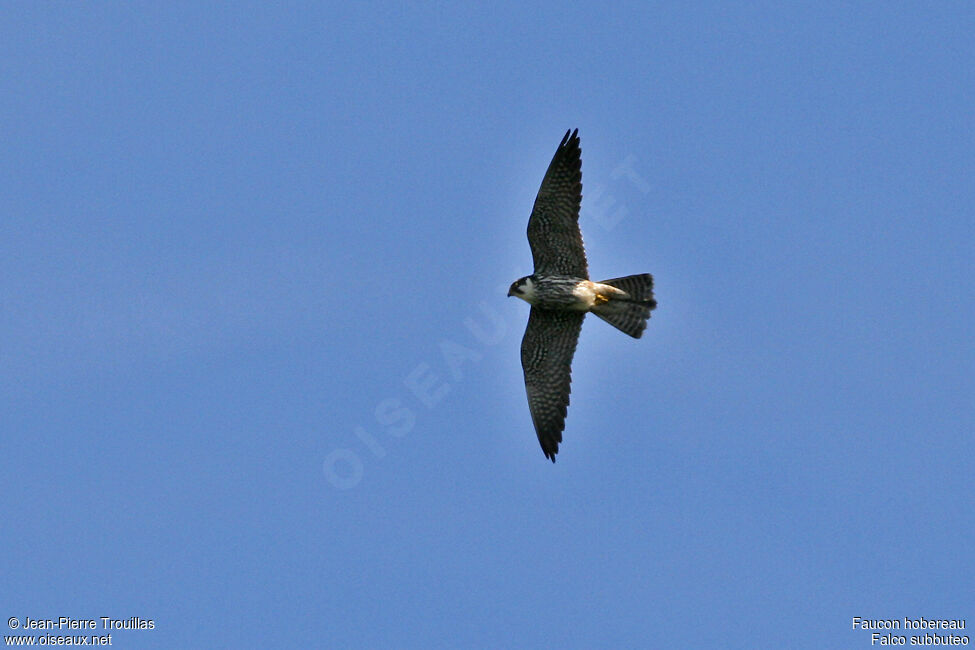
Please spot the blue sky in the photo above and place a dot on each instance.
(261, 382)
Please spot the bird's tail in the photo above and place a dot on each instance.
(629, 313)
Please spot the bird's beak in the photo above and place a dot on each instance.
(509, 293)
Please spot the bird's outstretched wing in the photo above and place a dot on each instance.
(546, 356)
(553, 228)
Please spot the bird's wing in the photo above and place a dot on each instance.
(553, 228)
(546, 356)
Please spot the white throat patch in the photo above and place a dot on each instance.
(527, 291)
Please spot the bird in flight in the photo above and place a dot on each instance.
(561, 293)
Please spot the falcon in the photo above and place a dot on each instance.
(561, 294)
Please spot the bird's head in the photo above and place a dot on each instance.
(523, 288)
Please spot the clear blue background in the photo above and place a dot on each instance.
(232, 233)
